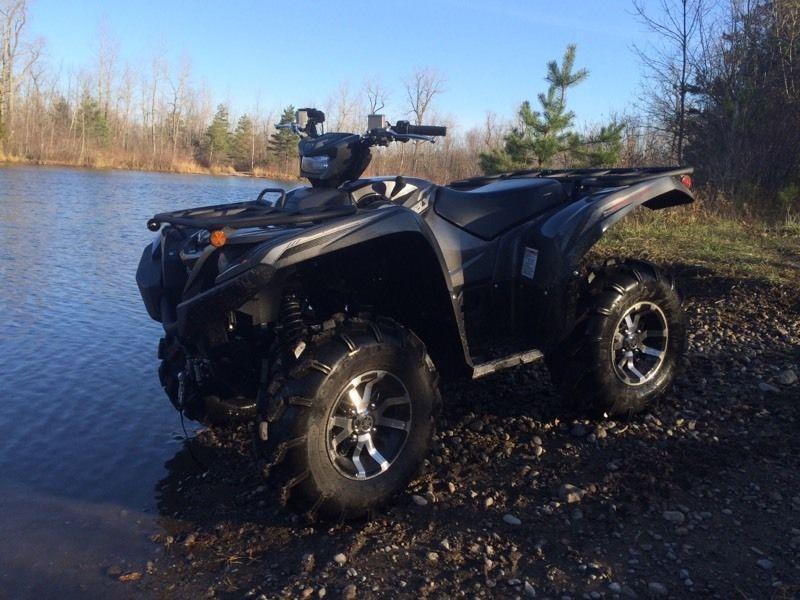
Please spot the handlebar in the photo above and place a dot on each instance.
(406, 128)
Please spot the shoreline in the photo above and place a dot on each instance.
(193, 169)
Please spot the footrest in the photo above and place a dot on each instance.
(506, 362)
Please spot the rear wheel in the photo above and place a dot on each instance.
(347, 426)
(627, 344)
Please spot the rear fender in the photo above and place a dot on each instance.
(564, 237)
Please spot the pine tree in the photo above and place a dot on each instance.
(243, 145)
(215, 146)
(93, 123)
(600, 148)
(543, 134)
(283, 143)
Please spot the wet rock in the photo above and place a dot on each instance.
(433, 557)
(787, 377)
(765, 563)
(767, 388)
(511, 519)
(308, 562)
(657, 589)
(570, 494)
(674, 516)
(350, 592)
(340, 559)
(419, 500)
(529, 590)
(307, 593)
(614, 587)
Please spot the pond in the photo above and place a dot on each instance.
(85, 429)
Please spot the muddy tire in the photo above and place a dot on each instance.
(627, 343)
(345, 427)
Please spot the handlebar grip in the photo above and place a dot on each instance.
(427, 130)
(406, 127)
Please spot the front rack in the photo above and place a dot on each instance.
(252, 213)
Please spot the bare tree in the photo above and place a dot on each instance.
(670, 63)
(13, 18)
(178, 86)
(421, 88)
(343, 107)
(107, 52)
(377, 95)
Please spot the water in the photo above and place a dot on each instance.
(85, 428)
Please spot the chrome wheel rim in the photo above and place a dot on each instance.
(640, 344)
(369, 425)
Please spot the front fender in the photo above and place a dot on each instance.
(564, 237)
(277, 255)
(330, 236)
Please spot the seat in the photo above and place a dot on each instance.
(491, 209)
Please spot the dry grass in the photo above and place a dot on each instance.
(728, 245)
(177, 166)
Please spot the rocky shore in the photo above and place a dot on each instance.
(698, 498)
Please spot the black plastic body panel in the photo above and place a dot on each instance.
(209, 308)
(563, 237)
(489, 210)
(148, 279)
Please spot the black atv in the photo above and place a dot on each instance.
(325, 314)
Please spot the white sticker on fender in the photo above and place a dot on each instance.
(529, 262)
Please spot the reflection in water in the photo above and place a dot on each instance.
(85, 425)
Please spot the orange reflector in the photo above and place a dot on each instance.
(687, 181)
(218, 238)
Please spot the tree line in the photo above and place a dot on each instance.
(721, 91)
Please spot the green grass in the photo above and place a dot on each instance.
(728, 246)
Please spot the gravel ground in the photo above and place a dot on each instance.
(700, 497)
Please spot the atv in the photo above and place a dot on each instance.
(326, 314)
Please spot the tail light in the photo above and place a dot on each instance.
(687, 181)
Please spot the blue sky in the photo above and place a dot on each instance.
(492, 52)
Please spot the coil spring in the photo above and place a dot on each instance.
(292, 325)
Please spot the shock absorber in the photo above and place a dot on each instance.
(292, 325)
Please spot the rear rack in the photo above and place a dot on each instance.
(580, 178)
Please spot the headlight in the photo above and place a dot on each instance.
(314, 164)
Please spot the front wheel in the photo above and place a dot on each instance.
(627, 344)
(348, 426)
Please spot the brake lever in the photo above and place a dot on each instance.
(404, 137)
